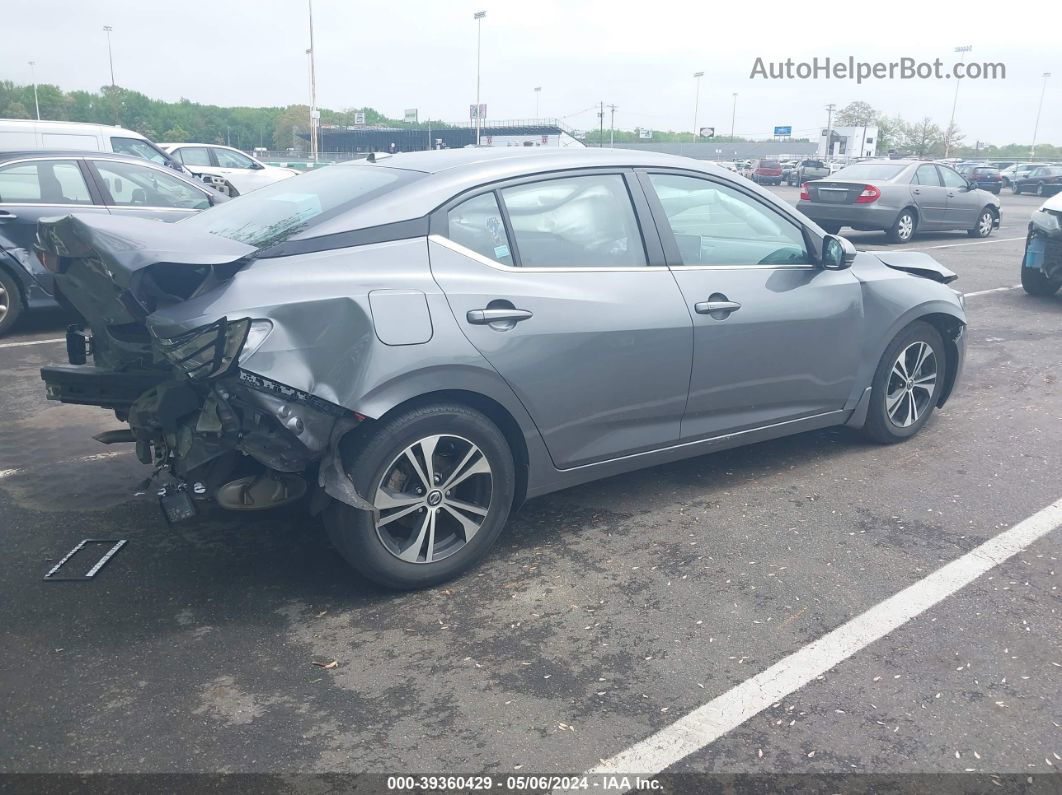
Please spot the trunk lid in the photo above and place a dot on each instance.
(833, 191)
(117, 270)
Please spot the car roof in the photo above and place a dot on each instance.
(16, 154)
(448, 173)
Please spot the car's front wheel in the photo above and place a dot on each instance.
(1015, 189)
(903, 228)
(441, 481)
(10, 301)
(1034, 282)
(986, 222)
(907, 384)
(831, 229)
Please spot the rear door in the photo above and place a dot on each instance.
(930, 197)
(147, 191)
(964, 203)
(554, 283)
(775, 337)
(37, 188)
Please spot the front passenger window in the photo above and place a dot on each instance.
(717, 225)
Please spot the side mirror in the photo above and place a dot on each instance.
(837, 253)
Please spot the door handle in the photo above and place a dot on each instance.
(708, 307)
(6, 216)
(915, 190)
(484, 317)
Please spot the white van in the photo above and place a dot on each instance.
(27, 134)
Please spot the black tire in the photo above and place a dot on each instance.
(354, 532)
(1015, 189)
(1041, 190)
(10, 301)
(831, 229)
(986, 220)
(1034, 282)
(879, 426)
(901, 231)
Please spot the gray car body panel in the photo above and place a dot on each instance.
(597, 398)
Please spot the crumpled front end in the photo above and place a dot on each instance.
(1043, 246)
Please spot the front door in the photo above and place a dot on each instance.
(775, 337)
(37, 188)
(964, 204)
(551, 282)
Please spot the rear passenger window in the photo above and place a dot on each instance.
(43, 182)
(194, 156)
(477, 224)
(926, 175)
(575, 222)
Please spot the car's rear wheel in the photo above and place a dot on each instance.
(1041, 190)
(906, 384)
(903, 228)
(986, 222)
(441, 480)
(1034, 282)
(10, 301)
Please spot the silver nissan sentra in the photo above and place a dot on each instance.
(418, 344)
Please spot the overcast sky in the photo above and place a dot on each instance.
(639, 56)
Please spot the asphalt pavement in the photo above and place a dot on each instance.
(606, 613)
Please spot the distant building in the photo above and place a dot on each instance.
(722, 150)
(377, 138)
(848, 142)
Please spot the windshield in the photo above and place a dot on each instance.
(869, 171)
(279, 211)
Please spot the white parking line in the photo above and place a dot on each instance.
(993, 290)
(31, 342)
(722, 714)
(980, 242)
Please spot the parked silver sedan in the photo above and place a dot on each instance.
(900, 197)
(425, 341)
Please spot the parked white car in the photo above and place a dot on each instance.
(32, 135)
(228, 170)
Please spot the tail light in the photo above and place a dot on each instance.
(805, 195)
(870, 194)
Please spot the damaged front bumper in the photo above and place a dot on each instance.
(1043, 245)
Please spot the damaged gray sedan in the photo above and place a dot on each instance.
(415, 346)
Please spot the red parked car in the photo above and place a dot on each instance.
(766, 172)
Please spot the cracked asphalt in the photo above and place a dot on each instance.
(606, 611)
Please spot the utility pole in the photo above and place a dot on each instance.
(538, 94)
(697, 102)
(110, 55)
(951, 124)
(1036, 127)
(37, 104)
(733, 116)
(601, 125)
(315, 117)
(829, 131)
(612, 127)
(478, 16)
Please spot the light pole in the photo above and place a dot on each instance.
(538, 94)
(696, 102)
(110, 54)
(478, 16)
(612, 126)
(37, 104)
(314, 113)
(829, 131)
(951, 124)
(733, 116)
(1036, 127)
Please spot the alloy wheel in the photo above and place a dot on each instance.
(911, 384)
(984, 226)
(906, 226)
(5, 303)
(433, 498)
